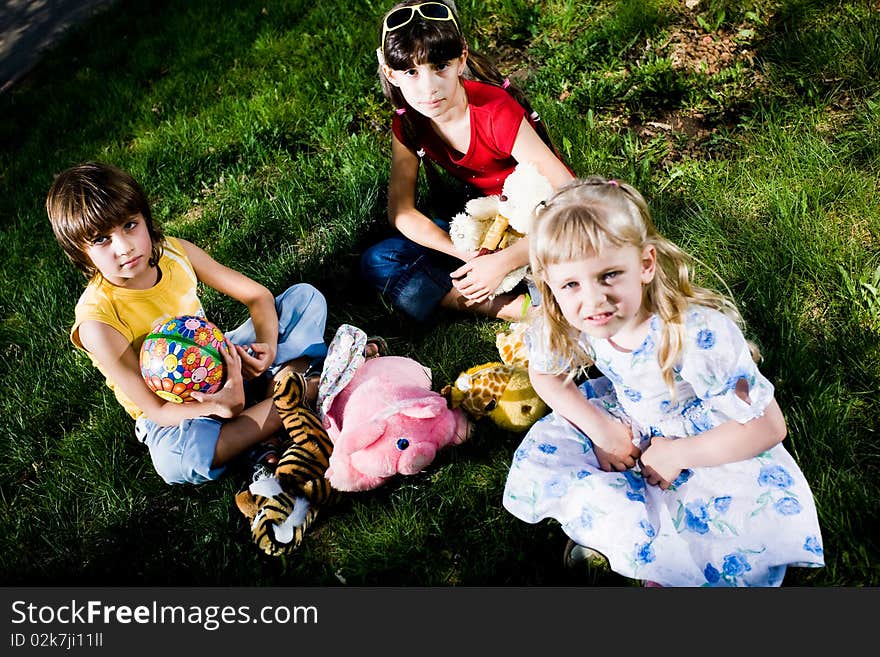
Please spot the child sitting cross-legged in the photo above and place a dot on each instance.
(453, 112)
(137, 276)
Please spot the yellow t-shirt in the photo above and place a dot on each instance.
(134, 312)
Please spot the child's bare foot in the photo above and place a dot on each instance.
(376, 346)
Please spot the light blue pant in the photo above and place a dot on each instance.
(184, 453)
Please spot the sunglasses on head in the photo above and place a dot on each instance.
(430, 11)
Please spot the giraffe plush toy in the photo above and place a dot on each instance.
(511, 345)
(502, 391)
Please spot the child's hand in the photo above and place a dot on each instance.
(479, 277)
(229, 400)
(257, 360)
(660, 465)
(617, 452)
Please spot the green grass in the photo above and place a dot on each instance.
(260, 133)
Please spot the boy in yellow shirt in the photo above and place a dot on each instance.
(102, 220)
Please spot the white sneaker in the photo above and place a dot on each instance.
(575, 555)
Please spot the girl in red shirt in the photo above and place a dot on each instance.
(453, 110)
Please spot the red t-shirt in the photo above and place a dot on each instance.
(495, 120)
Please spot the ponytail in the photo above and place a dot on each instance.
(429, 41)
(482, 69)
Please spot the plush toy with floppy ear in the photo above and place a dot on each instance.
(281, 507)
(387, 421)
(491, 223)
(501, 391)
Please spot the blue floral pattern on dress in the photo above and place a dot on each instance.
(645, 553)
(737, 524)
(681, 479)
(585, 520)
(705, 339)
(711, 574)
(787, 506)
(695, 414)
(775, 476)
(814, 545)
(696, 517)
(635, 485)
(632, 395)
(555, 488)
(646, 349)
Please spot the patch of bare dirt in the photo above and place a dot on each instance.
(690, 48)
(193, 215)
(685, 133)
(689, 133)
(512, 62)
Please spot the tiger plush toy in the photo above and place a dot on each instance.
(281, 508)
(304, 460)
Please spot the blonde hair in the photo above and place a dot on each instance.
(589, 215)
(92, 198)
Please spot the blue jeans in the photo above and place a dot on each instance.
(184, 453)
(412, 278)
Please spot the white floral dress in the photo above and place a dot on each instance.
(738, 524)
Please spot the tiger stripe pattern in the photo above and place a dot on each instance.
(305, 458)
(267, 513)
(299, 472)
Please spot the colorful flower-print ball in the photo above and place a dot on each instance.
(181, 355)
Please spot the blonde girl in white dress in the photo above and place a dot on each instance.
(671, 464)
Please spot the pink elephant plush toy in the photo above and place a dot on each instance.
(388, 421)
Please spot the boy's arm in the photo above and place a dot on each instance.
(120, 363)
(257, 298)
(612, 440)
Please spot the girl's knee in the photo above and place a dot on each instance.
(373, 257)
(385, 262)
(378, 265)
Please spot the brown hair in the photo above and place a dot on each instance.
(435, 42)
(93, 198)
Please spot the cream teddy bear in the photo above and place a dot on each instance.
(491, 223)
